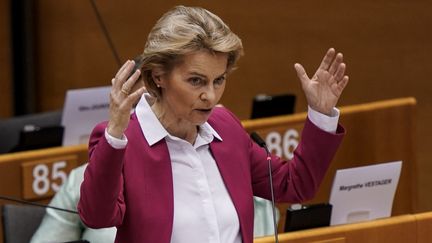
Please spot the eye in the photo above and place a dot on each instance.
(219, 80)
(195, 81)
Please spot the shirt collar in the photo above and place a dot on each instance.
(153, 129)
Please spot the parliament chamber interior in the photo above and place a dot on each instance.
(50, 47)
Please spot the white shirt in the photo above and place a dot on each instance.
(203, 209)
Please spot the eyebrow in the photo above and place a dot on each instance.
(203, 76)
(198, 74)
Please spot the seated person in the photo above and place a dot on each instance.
(59, 226)
(263, 219)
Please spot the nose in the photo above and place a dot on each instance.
(208, 95)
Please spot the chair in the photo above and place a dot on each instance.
(10, 128)
(20, 222)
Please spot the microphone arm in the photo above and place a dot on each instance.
(7, 198)
(262, 144)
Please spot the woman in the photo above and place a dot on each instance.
(180, 169)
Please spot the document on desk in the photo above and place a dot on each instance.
(364, 193)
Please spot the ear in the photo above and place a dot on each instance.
(157, 74)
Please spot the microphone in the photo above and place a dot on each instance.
(7, 198)
(257, 139)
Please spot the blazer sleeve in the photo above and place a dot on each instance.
(296, 180)
(101, 202)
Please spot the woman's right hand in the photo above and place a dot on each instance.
(124, 95)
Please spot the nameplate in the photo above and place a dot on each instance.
(364, 193)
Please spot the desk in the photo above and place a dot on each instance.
(398, 229)
(37, 174)
(424, 227)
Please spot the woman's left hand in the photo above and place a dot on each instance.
(324, 89)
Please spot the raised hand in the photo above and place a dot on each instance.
(326, 85)
(125, 93)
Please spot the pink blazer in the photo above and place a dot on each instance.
(132, 188)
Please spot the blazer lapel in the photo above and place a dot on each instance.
(236, 182)
(158, 182)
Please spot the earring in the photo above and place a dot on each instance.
(157, 85)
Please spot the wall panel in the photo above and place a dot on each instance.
(387, 46)
(5, 61)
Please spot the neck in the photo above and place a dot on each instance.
(175, 126)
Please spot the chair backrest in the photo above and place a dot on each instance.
(20, 222)
(10, 128)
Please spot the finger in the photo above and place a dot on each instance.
(127, 86)
(117, 82)
(335, 65)
(134, 97)
(301, 73)
(122, 68)
(126, 72)
(340, 72)
(325, 63)
(343, 83)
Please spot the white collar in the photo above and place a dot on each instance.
(153, 129)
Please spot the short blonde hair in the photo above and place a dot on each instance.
(184, 30)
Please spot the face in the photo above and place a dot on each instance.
(194, 86)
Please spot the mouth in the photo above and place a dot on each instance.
(204, 111)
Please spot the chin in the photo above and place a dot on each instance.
(200, 120)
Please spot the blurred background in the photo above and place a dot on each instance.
(48, 47)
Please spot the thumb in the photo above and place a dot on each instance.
(301, 73)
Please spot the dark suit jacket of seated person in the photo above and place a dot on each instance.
(180, 169)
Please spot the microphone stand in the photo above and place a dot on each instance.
(272, 194)
(262, 144)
